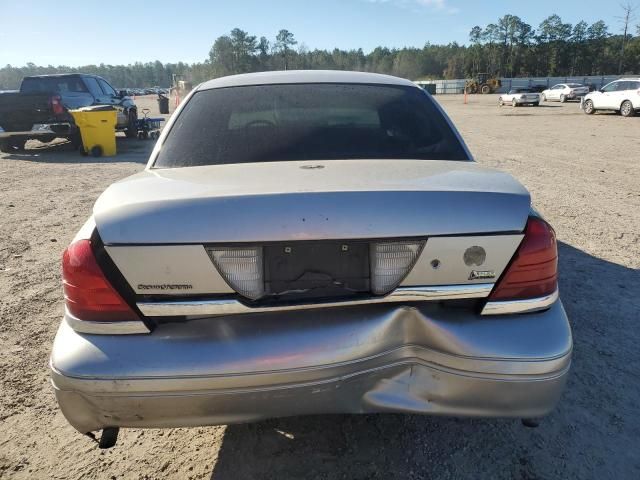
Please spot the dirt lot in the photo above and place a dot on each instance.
(583, 173)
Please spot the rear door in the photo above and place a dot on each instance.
(556, 91)
(630, 90)
(94, 88)
(611, 96)
(110, 97)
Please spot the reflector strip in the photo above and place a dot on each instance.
(242, 269)
(391, 262)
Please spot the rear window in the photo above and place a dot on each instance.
(53, 85)
(269, 123)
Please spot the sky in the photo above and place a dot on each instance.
(73, 32)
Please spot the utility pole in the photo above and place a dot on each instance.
(626, 18)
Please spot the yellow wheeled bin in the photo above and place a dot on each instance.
(98, 129)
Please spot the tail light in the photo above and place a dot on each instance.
(390, 262)
(242, 269)
(533, 271)
(56, 105)
(88, 294)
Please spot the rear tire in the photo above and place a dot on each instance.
(563, 99)
(76, 141)
(588, 107)
(543, 97)
(11, 145)
(132, 128)
(500, 102)
(626, 109)
(514, 103)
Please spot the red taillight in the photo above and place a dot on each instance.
(56, 105)
(533, 271)
(88, 294)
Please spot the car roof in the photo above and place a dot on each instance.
(628, 78)
(59, 75)
(304, 76)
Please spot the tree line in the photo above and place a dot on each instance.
(509, 47)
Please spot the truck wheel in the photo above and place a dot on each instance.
(132, 128)
(485, 89)
(626, 109)
(76, 141)
(11, 145)
(588, 107)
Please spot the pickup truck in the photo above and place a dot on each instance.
(40, 109)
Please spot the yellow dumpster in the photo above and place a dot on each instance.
(97, 128)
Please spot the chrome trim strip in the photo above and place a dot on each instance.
(105, 328)
(234, 307)
(520, 306)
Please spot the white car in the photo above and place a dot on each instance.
(622, 95)
(519, 96)
(565, 91)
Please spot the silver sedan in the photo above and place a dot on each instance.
(564, 92)
(519, 96)
(306, 243)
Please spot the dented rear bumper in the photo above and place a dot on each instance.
(421, 358)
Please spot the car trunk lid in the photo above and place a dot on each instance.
(322, 200)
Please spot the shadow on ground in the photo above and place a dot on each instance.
(129, 150)
(602, 301)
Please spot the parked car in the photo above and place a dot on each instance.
(621, 95)
(538, 88)
(564, 92)
(519, 96)
(309, 242)
(40, 109)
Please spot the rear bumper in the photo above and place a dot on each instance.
(40, 130)
(527, 100)
(378, 358)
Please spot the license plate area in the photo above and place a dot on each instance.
(315, 270)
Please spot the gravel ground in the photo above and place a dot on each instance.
(582, 172)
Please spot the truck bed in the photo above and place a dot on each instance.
(20, 111)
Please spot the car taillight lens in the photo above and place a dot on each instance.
(533, 271)
(242, 268)
(88, 294)
(56, 105)
(390, 262)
